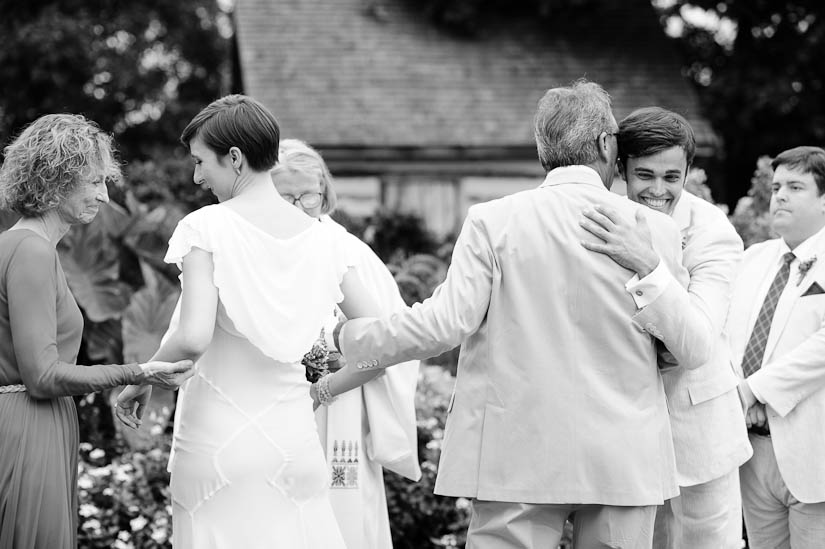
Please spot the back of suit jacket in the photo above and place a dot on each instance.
(558, 398)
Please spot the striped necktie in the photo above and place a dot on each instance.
(755, 350)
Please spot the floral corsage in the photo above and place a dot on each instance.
(316, 361)
(804, 267)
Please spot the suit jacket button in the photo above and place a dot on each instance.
(374, 362)
(361, 365)
(639, 293)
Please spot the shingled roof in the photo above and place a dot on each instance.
(366, 73)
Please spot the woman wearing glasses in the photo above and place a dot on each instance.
(373, 426)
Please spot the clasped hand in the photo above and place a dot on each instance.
(755, 414)
(628, 244)
(132, 401)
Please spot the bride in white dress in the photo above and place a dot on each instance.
(259, 277)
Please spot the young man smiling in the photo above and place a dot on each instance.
(776, 333)
(656, 148)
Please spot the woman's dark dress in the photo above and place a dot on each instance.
(40, 331)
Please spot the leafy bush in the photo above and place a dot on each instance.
(419, 518)
(751, 217)
(394, 236)
(124, 500)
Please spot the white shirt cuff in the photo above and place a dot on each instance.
(754, 391)
(648, 289)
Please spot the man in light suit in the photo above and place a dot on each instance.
(656, 148)
(776, 333)
(558, 405)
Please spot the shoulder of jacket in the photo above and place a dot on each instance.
(761, 247)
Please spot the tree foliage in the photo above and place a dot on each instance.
(139, 69)
(760, 72)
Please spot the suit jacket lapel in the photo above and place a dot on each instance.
(786, 305)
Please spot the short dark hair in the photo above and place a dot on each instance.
(806, 159)
(237, 121)
(651, 130)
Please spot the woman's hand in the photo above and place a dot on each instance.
(313, 392)
(131, 404)
(167, 375)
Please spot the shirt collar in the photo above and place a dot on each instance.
(681, 212)
(573, 174)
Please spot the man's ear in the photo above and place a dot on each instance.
(604, 146)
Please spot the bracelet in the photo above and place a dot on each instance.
(322, 389)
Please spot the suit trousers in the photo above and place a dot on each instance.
(774, 519)
(703, 516)
(504, 525)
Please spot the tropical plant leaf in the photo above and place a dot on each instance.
(149, 237)
(90, 261)
(146, 318)
(114, 219)
(103, 341)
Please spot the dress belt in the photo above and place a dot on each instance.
(19, 388)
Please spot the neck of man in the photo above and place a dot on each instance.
(605, 172)
(794, 240)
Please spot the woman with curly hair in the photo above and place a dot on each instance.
(54, 176)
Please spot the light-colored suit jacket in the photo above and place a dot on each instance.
(709, 432)
(558, 398)
(792, 377)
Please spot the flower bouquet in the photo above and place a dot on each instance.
(316, 361)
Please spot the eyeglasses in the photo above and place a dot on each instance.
(307, 200)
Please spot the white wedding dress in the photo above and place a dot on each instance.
(248, 469)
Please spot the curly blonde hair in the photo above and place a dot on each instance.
(45, 163)
(294, 156)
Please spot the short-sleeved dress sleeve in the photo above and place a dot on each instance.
(187, 235)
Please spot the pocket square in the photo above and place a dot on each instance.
(815, 289)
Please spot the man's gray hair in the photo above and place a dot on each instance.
(568, 121)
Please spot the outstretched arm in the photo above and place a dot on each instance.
(455, 310)
(358, 302)
(198, 310)
(31, 281)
